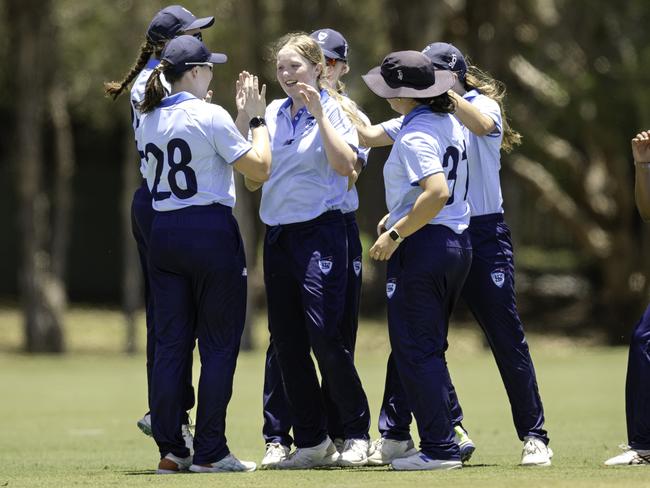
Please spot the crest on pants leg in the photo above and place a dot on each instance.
(498, 277)
(391, 286)
(325, 265)
(356, 265)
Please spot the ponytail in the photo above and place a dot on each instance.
(115, 88)
(154, 91)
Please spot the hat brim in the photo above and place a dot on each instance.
(375, 81)
(332, 55)
(201, 23)
(217, 58)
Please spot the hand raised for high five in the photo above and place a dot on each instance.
(311, 97)
(641, 147)
(249, 98)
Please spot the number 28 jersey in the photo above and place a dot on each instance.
(189, 147)
(428, 143)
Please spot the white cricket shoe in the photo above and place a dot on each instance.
(144, 424)
(421, 462)
(630, 457)
(535, 452)
(465, 444)
(324, 454)
(383, 451)
(275, 453)
(228, 464)
(354, 453)
(171, 464)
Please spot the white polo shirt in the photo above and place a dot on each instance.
(302, 184)
(428, 143)
(190, 146)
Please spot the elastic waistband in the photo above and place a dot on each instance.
(487, 218)
(196, 210)
(324, 218)
(350, 218)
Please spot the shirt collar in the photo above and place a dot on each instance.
(420, 109)
(471, 95)
(152, 63)
(176, 98)
(284, 107)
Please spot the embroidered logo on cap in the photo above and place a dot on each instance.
(391, 286)
(498, 277)
(322, 36)
(356, 265)
(325, 265)
(452, 63)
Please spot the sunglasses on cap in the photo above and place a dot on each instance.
(202, 63)
(331, 62)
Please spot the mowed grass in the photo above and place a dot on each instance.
(70, 421)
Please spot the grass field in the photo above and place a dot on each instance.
(70, 421)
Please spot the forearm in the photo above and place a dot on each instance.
(340, 155)
(241, 122)
(252, 185)
(472, 118)
(429, 204)
(642, 189)
(373, 136)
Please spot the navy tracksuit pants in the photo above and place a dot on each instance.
(142, 215)
(305, 273)
(198, 280)
(424, 279)
(637, 386)
(489, 291)
(277, 419)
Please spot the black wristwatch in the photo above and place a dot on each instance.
(394, 235)
(256, 122)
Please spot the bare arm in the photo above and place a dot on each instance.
(641, 154)
(432, 199)
(255, 164)
(471, 117)
(340, 155)
(373, 136)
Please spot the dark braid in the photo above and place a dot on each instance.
(115, 88)
(155, 91)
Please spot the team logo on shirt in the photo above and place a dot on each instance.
(391, 286)
(498, 277)
(356, 265)
(325, 265)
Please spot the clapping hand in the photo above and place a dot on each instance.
(249, 98)
(641, 147)
(311, 97)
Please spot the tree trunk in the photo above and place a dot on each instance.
(31, 22)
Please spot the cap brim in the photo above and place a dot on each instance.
(375, 81)
(331, 54)
(201, 23)
(217, 58)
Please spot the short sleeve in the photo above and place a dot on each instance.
(392, 127)
(420, 154)
(227, 139)
(491, 108)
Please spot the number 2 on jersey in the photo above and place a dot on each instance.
(453, 153)
(174, 147)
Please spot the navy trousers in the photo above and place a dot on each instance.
(277, 419)
(198, 279)
(489, 291)
(142, 214)
(305, 273)
(424, 279)
(637, 386)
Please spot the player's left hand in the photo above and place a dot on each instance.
(311, 97)
(383, 248)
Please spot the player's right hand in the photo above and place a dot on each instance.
(641, 147)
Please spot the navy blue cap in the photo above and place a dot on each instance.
(448, 57)
(332, 43)
(174, 20)
(184, 52)
(408, 74)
